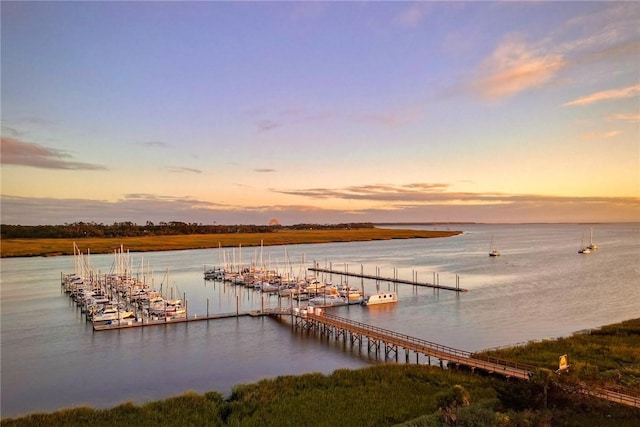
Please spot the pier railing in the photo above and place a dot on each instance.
(443, 352)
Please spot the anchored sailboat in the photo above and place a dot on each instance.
(584, 249)
(493, 251)
(592, 246)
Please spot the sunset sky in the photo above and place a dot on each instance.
(323, 112)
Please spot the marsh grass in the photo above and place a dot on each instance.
(609, 356)
(380, 395)
(101, 245)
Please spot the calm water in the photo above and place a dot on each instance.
(539, 288)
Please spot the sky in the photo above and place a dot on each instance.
(320, 112)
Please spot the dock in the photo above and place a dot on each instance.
(135, 323)
(361, 275)
(379, 339)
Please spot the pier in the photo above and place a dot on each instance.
(135, 323)
(379, 340)
(391, 342)
(361, 275)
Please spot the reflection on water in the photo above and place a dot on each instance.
(540, 287)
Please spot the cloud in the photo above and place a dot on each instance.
(16, 152)
(600, 135)
(265, 170)
(157, 144)
(416, 192)
(607, 95)
(267, 125)
(395, 117)
(400, 197)
(413, 15)
(139, 208)
(267, 117)
(172, 169)
(11, 131)
(515, 67)
(630, 117)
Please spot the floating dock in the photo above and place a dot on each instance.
(134, 323)
(456, 288)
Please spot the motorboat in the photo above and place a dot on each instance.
(111, 313)
(327, 300)
(351, 294)
(381, 298)
(215, 273)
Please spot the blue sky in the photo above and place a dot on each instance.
(240, 112)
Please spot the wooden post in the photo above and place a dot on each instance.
(237, 305)
(207, 307)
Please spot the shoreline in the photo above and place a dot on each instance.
(37, 247)
(526, 403)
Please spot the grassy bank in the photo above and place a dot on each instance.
(607, 356)
(400, 395)
(52, 247)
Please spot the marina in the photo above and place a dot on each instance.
(510, 300)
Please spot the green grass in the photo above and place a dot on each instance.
(609, 356)
(381, 395)
(98, 245)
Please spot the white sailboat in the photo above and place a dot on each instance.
(592, 246)
(584, 249)
(493, 251)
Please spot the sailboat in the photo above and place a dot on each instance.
(592, 246)
(584, 249)
(493, 251)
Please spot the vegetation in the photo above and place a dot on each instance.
(79, 230)
(23, 247)
(404, 395)
(605, 357)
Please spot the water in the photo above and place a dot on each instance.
(539, 288)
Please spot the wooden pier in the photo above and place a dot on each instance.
(378, 339)
(361, 275)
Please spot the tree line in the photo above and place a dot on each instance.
(129, 229)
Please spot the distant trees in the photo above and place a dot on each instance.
(130, 229)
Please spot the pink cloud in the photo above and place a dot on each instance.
(606, 95)
(514, 67)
